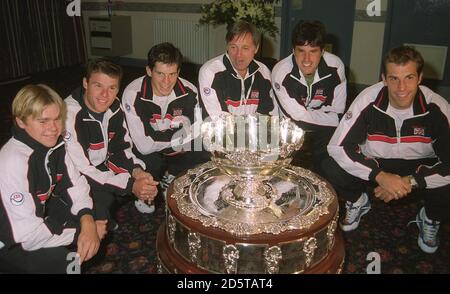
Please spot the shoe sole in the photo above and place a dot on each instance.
(354, 225)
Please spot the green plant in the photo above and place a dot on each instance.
(259, 12)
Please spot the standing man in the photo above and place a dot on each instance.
(45, 204)
(235, 82)
(99, 144)
(311, 87)
(163, 116)
(395, 138)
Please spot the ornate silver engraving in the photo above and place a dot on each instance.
(194, 246)
(272, 257)
(230, 257)
(330, 231)
(159, 268)
(172, 228)
(309, 248)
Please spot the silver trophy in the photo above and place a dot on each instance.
(251, 149)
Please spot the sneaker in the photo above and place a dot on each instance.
(165, 183)
(354, 212)
(143, 207)
(428, 240)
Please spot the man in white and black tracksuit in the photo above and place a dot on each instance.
(45, 206)
(163, 116)
(235, 82)
(393, 141)
(310, 86)
(99, 144)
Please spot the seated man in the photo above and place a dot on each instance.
(45, 204)
(395, 138)
(163, 116)
(235, 82)
(99, 144)
(310, 86)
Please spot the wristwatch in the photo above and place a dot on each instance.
(413, 182)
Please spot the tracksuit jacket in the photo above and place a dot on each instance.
(33, 177)
(367, 134)
(319, 105)
(154, 127)
(100, 150)
(222, 89)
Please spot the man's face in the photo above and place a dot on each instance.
(46, 128)
(101, 90)
(241, 50)
(164, 77)
(307, 58)
(402, 81)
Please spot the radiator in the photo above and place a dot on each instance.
(192, 40)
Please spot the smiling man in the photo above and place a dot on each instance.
(162, 111)
(44, 202)
(394, 142)
(235, 82)
(99, 144)
(310, 86)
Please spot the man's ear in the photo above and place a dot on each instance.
(85, 83)
(20, 123)
(420, 78)
(384, 79)
(148, 70)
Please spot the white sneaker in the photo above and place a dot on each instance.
(428, 239)
(354, 212)
(143, 207)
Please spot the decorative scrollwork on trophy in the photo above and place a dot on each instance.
(309, 249)
(194, 246)
(172, 228)
(230, 256)
(272, 257)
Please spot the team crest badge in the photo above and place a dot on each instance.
(348, 115)
(177, 111)
(254, 94)
(206, 91)
(419, 131)
(17, 199)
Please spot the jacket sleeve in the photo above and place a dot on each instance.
(351, 132)
(28, 229)
(210, 95)
(325, 116)
(267, 104)
(438, 175)
(120, 183)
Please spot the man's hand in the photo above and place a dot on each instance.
(393, 184)
(88, 241)
(145, 188)
(101, 228)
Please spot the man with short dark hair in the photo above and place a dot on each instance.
(310, 86)
(235, 82)
(99, 144)
(393, 142)
(163, 116)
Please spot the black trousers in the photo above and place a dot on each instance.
(157, 163)
(349, 188)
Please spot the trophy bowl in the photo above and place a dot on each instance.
(251, 149)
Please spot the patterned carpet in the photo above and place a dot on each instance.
(131, 249)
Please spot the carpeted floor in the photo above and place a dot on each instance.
(131, 249)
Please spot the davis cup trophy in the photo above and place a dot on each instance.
(249, 210)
